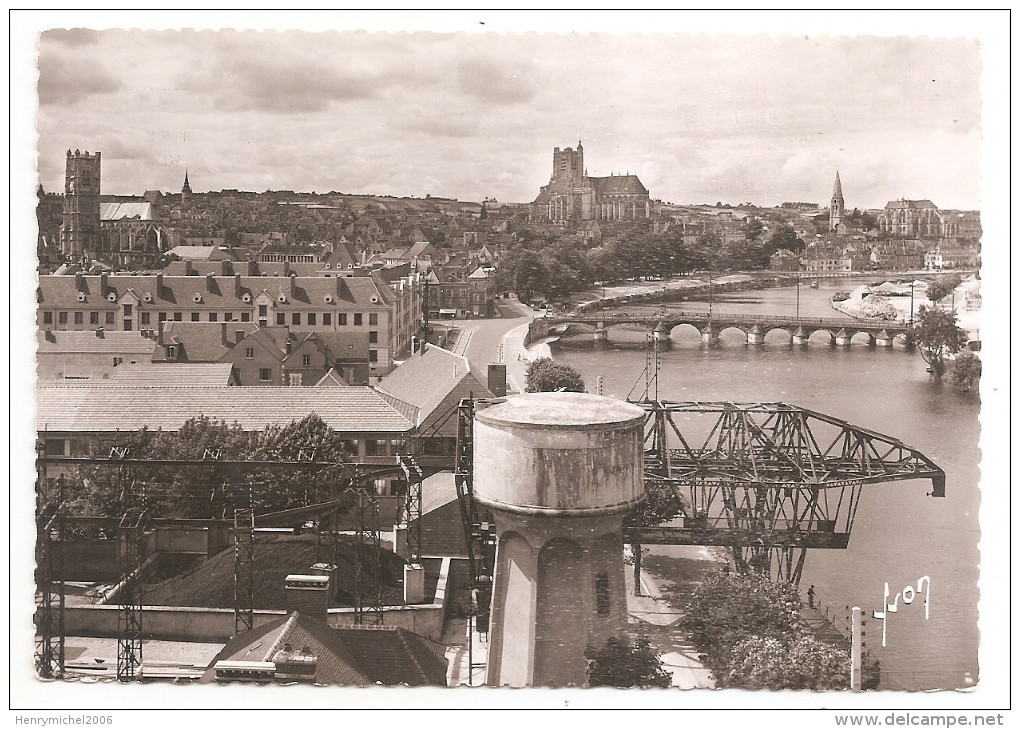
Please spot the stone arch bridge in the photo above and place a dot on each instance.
(754, 326)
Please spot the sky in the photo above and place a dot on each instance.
(699, 117)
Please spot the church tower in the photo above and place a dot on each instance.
(836, 207)
(79, 233)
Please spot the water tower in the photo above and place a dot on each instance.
(559, 470)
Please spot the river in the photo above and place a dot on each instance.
(900, 534)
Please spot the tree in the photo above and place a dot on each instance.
(938, 335)
(803, 662)
(965, 370)
(544, 375)
(941, 287)
(784, 236)
(625, 664)
(726, 610)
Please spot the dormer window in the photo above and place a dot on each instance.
(171, 352)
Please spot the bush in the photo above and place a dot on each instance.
(625, 664)
(965, 370)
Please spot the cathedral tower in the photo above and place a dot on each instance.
(836, 207)
(80, 230)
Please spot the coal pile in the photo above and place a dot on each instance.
(210, 584)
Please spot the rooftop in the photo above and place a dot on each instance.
(109, 408)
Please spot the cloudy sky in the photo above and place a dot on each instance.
(701, 118)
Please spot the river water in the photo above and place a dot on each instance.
(900, 534)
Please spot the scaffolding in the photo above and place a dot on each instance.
(49, 652)
(411, 516)
(367, 598)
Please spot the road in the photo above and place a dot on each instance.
(480, 341)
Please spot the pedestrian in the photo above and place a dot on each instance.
(811, 596)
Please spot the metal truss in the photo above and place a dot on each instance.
(411, 516)
(768, 480)
(367, 598)
(49, 637)
(244, 570)
(131, 557)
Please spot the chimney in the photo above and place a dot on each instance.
(308, 595)
(238, 335)
(103, 281)
(159, 285)
(497, 379)
(237, 286)
(188, 271)
(293, 284)
(286, 268)
(79, 281)
(210, 283)
(223, 334)
(101, 333)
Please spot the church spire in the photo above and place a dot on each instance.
(837, 190)
(836, 207)
(187, 185)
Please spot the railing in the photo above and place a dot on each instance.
(682, 316)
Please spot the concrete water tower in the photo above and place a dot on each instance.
(559, 470)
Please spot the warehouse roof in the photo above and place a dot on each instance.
(108, 408)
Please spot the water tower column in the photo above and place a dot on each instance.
(559, 471)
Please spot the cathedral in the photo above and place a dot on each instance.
(572, 195)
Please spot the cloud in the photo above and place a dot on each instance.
(66, 79)
(495, 82)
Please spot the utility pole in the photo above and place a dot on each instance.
(856, 636)
(798, 297)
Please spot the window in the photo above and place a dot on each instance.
(127, 325)
(79, 317)
(213, 316)
(327, 319)
(311, 319)
(194, 316)
(93, 317)
(373, 320)
(281, 319)
(62, 317)
(171, 352)
(294, 379)
(373, 337)
(146, 318)
(117, 361)
(162, 316)
(357, 320)
(249, 353)
(373, 355)
(306, 360)
(55, 447)
(295, 318)
(228, 316)
(263, 310)
(109, 318)
(342, 319)
(47, 317)
(127, 309)
(265, 374)
(602, 593)
(245, 317)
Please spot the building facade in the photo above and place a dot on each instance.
(389, 313)
(572, 195)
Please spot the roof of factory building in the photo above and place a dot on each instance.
(108, 408)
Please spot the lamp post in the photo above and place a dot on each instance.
(710, 294)
(798, 297)
(911, 303)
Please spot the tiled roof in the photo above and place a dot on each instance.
(202, 341)
(335, 664)
(59, 342)
(107, 408)
(618, 185)
(172, 374)
(198, 253)
(214, 291)
(125, 210)
(395, 656)
(910, 204)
